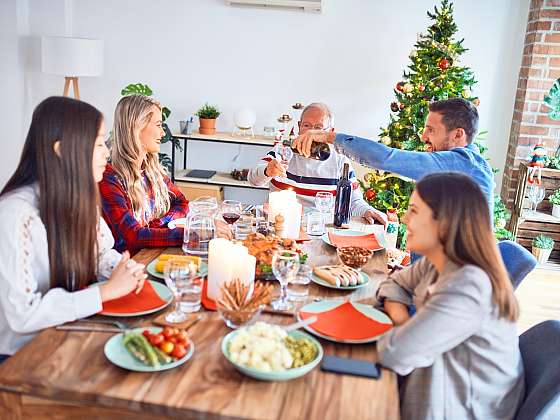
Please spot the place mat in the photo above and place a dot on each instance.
(362, 241)
(208, 303)
(146, 300)
(345, 322)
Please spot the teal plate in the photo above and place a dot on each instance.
(324, 283)
(161, 289)
(151, 269)
(284, 375)
(327, 305)
(117, 354)
(346, 232)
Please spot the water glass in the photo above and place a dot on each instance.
(180, 277)
(315, 223)
(298, 287)
(244, 226)
(324, 202)
(285, 266)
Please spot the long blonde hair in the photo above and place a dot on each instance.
(465, 231)
(132, 114)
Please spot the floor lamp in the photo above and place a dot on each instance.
(71, 58)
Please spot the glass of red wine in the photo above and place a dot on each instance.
(231, 211)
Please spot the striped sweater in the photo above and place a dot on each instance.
(307, 177)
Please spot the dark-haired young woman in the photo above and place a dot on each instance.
(54, 242)
(460, 351)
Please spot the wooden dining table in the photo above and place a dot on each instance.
(61, 374)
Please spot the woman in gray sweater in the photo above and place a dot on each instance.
(460, 351)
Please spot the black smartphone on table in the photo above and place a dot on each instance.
(351, 367)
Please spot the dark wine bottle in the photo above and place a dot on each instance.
(343, 197)
(319, 151)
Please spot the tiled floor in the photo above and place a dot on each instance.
(539, 296)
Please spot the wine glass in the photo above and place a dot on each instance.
(179, 277)
(285, 266)
(536, 195)
(284, 154)
(231, 211)
(324, 202)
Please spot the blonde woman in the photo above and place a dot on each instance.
(138, 198)
(460, 351)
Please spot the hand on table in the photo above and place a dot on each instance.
(371, 215)
(275, 168)
(127, 276)
(304, 141)
(223, 230)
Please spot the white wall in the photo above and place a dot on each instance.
(349, 56)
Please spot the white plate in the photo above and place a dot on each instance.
(151, 269)
(324, 283)
(346, 232)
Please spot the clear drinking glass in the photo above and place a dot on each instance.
(536, 195)
(298, 287)
(244, 226)
(284, 154)
(324, 202)
(180, 277)
(285, 265)
(315, 223)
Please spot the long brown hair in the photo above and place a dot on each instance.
(132, 114)
(68, 194)
(465, 231)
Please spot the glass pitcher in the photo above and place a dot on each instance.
(200, 227)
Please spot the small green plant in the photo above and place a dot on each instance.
(209, 112)
(543, 242)
(554, 198)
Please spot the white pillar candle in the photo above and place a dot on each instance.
(292, 220)
(278, 201)
(238, 253)
(220, 265)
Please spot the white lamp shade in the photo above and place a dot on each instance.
(72, 56)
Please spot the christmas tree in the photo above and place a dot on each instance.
(433, 74)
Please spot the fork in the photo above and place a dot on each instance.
(119, 324)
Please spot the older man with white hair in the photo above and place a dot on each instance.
(306, 176)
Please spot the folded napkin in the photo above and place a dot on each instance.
(363, 241)
(406, 260)
(146, 300)
(345, 322)
(208, 303)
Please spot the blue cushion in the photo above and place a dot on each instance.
(518, 261)
(540, 349)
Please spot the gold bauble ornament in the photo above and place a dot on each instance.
(407, 88)
(466, 93)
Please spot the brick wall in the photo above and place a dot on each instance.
(540, 67)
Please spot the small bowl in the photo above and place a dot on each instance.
(353, 256)
(236, 319)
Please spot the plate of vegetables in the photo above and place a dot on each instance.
(149, 349)
(268, 353)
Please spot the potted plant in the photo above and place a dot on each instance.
(207, 116)
(542, 247)
(554, 198)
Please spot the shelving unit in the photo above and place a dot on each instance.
(526, 225)
(220, 178)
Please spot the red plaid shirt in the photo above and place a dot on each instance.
(129, 233)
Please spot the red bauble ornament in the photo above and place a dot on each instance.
(476, 102)
(401, 106)
(444, 64)
(421, 88)
(370, 194)
(394, 106)
(399, 86)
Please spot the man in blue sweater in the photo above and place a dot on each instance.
(448, 133)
